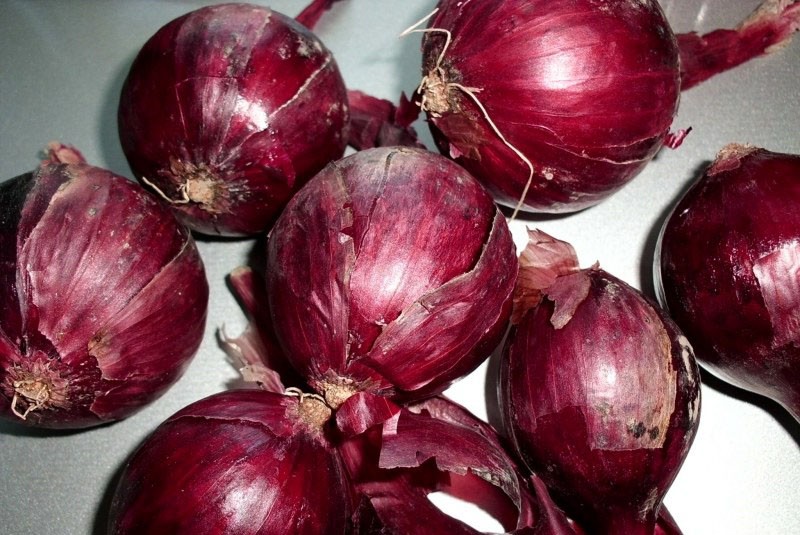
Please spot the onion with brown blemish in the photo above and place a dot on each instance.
(599, 389)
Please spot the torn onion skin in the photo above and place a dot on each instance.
(599, 390)
(437, 445)
(728, 270)
(103, 296)
(767, 29)
(390, 274)
(565, 83)
(243, 461)
(228, 110)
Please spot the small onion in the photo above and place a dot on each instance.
(728, 270)
(390, 273)
(103, 296)
(581, 94)
(599, 390)
(228, 110)
(242, 461)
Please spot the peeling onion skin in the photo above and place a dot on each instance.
(390, 273)
(604, 408)
(566, 83)
(241, 461)
(103, 297)
(227, 111)
(727, 268)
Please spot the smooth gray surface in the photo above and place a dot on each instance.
(61, 69)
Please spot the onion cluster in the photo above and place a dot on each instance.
(392, 273)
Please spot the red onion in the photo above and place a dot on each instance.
(389, 274)
(599, 389)
(244, 462)
(103, 296)
(554, 106)
(562, 90)
(228, 110)
(728, 270)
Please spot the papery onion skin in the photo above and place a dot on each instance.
(391, 273)
(227, 111)
(585, 90)
(103, 297)
(728, 270)
(242, 461)
(604, 407)
(437, 445)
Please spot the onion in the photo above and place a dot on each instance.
(228, 110)
(103, 295)
(728, 270)
(599, 391)
(562, 90)
(242, 461)
(554, 106)
(390, 274)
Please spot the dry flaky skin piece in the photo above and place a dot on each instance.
(391, 274)
(313, 12)
(437, 445)
(728, 270)
(250, 104)
(769, 28)
(597, 366)
(103, 294)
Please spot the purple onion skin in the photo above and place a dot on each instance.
(605, 408)
(228, 110)
(565, 82)
(391, 272)
(728, 270)
(103, 297)
(242, 461)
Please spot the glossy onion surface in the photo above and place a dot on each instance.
(391, 272)
(243, 461)
(728, 270)
(601, 395)
(103, 297)
(585, 90)
(227, 111)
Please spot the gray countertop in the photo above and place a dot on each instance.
(61, 70)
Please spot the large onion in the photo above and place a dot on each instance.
(728, 270)
(103, 296)
(390, 274)
(599, 389)
(228, 110)
(581, 93)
